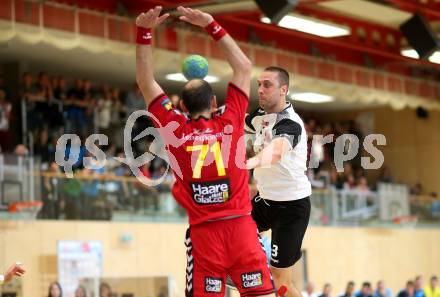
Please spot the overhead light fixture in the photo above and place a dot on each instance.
(411, 53)
(311, 97)
(435, 57)
(181, 78)
(311, 25)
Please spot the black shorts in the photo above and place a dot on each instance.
(288, 221)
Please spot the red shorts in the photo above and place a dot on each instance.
(226, 247)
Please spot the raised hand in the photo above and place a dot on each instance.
(195, 16)
(14, 270)
(151, 18)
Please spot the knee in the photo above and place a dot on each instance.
(281, 277)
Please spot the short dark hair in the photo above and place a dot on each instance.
(197, 96)
(366, 284)
(283, 75)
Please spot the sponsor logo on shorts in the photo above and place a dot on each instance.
(252, 279)
(213, 284)
(216, 192)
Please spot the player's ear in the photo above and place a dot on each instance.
(214, 102)
(182, 106)
(283, 90)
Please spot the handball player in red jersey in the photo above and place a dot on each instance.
(222, 238)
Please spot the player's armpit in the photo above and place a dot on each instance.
(288, 129)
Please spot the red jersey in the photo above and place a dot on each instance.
(211, 185)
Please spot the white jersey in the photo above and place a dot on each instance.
(285, 180)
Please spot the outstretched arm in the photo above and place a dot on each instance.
(145, 22)
(241, 65)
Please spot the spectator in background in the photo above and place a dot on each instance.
(349, 290)
(385, 175)
(418, 287)
(89, 108)
(4, 86)
(21, 150)
(60, 90)
(41, 147)
(116, 119)
(105, 290)
(366, 290)
(408, 291)
(52, 204)
(309, 290)
(432, 290)
(80, 291)
(29, 92)
(53, 113)
(326, 291)
(75, 107)
(104, 113)
(362, 184)
(5, 117)
(55, 290)
(45, 97)
(416, 190)
(382, 290)
(134, 100)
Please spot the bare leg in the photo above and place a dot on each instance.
(283, 276)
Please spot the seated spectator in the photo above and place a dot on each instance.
(418, 287)
(55, 290)
(366, 290)
(326, 291)
(309, 290)
(432, 290)
(382, 290)
(349, 290)
(408, 291)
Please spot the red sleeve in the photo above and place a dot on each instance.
(163, 111)
(236, 103)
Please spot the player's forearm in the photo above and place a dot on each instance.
(234, 55)
(264, 158)
(270, 155)
(144, 71)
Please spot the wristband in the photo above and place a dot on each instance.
(143, 35)
(215, 30)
